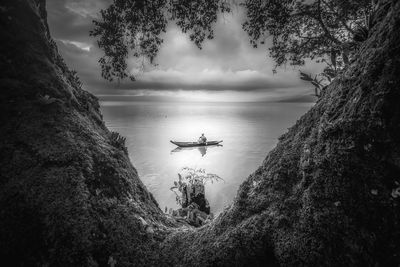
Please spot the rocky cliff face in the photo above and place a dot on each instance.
(68, 195)
(327, 195)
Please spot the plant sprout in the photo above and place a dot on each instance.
(190, 177)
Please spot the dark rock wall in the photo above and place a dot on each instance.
(325, 196)
(68, 196)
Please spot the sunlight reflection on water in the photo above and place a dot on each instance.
(248, 130)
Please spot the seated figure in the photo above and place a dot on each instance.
(202, 139)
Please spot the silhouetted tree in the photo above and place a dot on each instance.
(303, 29)
(300, 29)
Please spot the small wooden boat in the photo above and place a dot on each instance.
(193, 144)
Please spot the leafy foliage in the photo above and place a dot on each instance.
(306, 29)
(323, 79)
(300, 29)
(118, 141)
(125, 25)
(318, 83)
(73, 76)
(137, 25)
(189, 177)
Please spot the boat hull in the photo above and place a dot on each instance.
(194, 144)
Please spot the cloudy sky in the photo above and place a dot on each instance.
(227, 68)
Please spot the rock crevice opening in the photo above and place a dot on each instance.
(325, 196)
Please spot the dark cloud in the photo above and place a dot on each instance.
(227, 62)
(72, 20)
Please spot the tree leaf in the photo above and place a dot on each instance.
(316, 84)
(305, 77)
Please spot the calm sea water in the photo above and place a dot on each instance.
(248, 130)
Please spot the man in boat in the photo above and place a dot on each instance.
(202, 139)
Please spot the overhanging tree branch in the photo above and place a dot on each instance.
(323, 26)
